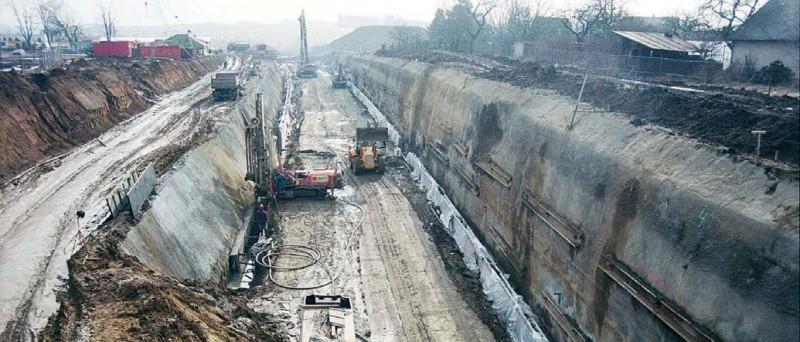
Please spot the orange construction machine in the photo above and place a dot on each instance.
(367, 153)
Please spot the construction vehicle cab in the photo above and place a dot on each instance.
(307, 71)
(368, 151)
(339, 80)
(226, 86)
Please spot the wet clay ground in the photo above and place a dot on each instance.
(389, 265)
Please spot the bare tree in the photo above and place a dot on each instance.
(449, 27)
(68, 28)
(518, 17)
(25, 22)
(581, 21)
(728, 15)
(404, 36)
(686, 23)
(461, 25)
(108, 19)
(48, 10)
(610, 13)
(479, 13)
(56, 21)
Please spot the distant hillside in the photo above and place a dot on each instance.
(369, 39)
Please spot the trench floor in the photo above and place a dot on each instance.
(390, 267)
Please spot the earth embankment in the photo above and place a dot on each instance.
(42, 115)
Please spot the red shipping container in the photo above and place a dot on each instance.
(112, 49)
(160, 51)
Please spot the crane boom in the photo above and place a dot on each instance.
(303, 38)
(306, 70)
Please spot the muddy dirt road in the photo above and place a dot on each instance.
(38, 227)
(388, 266)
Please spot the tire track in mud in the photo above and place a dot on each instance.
(420, 302)
(392, 257)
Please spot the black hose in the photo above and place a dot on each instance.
(266, 258)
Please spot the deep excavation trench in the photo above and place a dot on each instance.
(616, 229)
(163, 276)
(577, 218)
(378, 241)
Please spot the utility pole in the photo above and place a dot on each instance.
(758, 134)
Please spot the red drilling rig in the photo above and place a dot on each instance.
(265, 169)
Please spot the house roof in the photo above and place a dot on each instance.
(658, 41)
(777, 20)
(186, 41)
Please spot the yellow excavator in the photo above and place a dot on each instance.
(367, 153)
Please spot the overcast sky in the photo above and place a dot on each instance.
(161, 12)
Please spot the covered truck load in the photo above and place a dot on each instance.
(225, 86)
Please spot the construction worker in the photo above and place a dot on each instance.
(260, 218)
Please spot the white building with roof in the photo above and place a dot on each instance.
(772, 33)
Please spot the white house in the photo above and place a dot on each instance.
(772, 33)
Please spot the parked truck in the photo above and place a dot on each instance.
(225, 86)
(307, 71)
(340, 80)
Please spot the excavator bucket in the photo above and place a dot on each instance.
(371, 134)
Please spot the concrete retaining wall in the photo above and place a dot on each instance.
(140, 192)
(200, 206)
(715, 239)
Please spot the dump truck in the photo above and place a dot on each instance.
(225, 86)
(368, 151)
(339, 80)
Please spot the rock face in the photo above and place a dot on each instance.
(612, 228)
(43, 115)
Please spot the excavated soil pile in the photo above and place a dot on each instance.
(112, 296)
(43, 115)
(432, 57)
(720, 118)
(470, 64)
